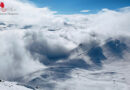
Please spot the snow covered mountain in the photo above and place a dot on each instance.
(4, 85)
(64, 52)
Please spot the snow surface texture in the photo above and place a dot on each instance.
(11, 86)
(45, 51)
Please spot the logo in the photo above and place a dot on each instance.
(2, 6)
(5, 10)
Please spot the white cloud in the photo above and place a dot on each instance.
(72, 30)
(85, 10)
(15, 60)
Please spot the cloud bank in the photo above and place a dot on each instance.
(38, 37)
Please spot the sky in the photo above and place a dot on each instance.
(81, 6)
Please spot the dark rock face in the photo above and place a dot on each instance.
(96, 55)
(116, 47)
(45, 53)
(52, 55)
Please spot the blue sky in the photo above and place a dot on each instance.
(75, 6)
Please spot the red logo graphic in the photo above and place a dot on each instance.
(2, 5)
